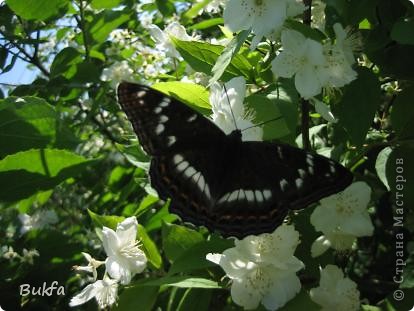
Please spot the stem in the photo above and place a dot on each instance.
(305, 124)
(32, 59)
(81, 24)
(307, 17)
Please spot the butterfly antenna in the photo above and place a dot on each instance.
(231, 110)
(262, 123)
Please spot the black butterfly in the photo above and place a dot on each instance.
(237, 188)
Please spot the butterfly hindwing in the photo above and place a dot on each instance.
(266, 180)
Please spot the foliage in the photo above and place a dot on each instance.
(66, 146)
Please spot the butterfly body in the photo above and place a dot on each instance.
(217, 180)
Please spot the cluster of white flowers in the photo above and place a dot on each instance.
(117, 72)
(263, 268)
(7, 252)
(40, 219)
(335, 292)
(228, 109)
(342, 217)
(265, 18)
(119, 40)
(125, 259)
(163, 40)
(315, 65)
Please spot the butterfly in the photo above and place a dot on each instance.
(235, 187)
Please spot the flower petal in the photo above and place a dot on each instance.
(320, 246)
(127, 230)
(236, 17)
(305, 82)
(118, 269)
(244, 295)
(283, 290)
(110, 241)
(285, 65)
(86, 294)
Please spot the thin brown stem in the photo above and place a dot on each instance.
(307, 17)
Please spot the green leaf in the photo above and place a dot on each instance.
(402, 114)
(106, 21)
(403, 31)
(27, 172)
(165, 7)
(227, 55)
(64, 63)
(396, 169)
(105, 4)
(301, 302)
(195, 299)
(207, 23)
(37, 9)
(135, 155)
(26, 123)
(150, 248)
(194, 10)
(178, 281)
(137, 298)
(286, 100)
(194, 258)
(265, 110)
(193, 95)
(202, 56)
(109, 221)
(380, 165)
(155, 222)
(408, 273)
(359, 103)
(146, 204)
(176, 239)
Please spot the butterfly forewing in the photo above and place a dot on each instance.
(162, 123)
(234, 187)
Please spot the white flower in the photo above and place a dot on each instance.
(316, 66)
(338, 71)
(228, 109)
(125, 259)
(8, 252)
(262, 268)
(93, 264)
(104, 291)
(263, 17)
(117, 72)
(146, 18)
(163, 38)
(303, 58)
(342, 218)
(335, 292)
(38, 220)
(28, 255)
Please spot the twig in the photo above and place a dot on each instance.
(82, 27)
(307, 17)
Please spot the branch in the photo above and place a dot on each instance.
(32, 59)
(81, 25)
(307, 17)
